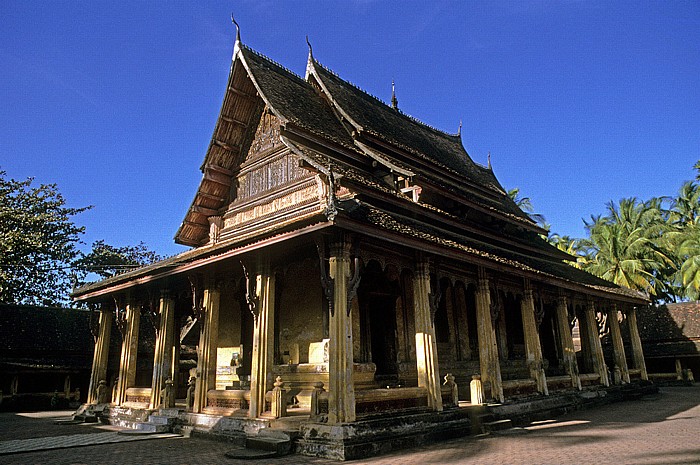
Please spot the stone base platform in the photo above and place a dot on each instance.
(540, 407)
(366, 438)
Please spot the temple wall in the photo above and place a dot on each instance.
(300, 311)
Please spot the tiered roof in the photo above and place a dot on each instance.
(335, 126)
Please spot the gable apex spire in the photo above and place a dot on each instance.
(394, 100)
(238, 30)
(310, 60)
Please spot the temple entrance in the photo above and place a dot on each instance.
(377, 297)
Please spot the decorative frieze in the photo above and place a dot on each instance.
(305, 194)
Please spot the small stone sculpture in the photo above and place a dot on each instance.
(190, 393)
(101, 397)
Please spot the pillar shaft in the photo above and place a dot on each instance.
(341, 393)
(263, 341)
(163, 362)
(595, 347)
(426, 348)
(101, 355)
(618, 345)
(130, 345)
(566, 342)
(533, 348)
(208, 340)
(488, 351)
(637, 351)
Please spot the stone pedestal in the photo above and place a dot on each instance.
(618, 345)
(341, 392)
(208, 338)
(163, 360)
(263, 340)
(533, 348)
(566, 343)
(130, 343)
(488, 351)
(101, 356)
(637, 351)
(426, 347)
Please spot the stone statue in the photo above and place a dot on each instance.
(190, 393)
(166, 394)
(115, 386)
(101, 397)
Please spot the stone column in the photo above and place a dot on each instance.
(566, 342)
(488, 351)
(426, 347)
(637, 351)
(101, 355)
(593, 341)
(208, 340)
(341, 393)
(163, 362)
(533, 348)
(130, 346)
(618, 345)
(263, 340)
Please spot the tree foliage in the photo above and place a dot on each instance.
(38, 242)
(40, 259)
(106, 260)
(649, 245)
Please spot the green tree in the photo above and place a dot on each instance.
(684, 241)
(106, 260)
(625, 246)
(525, 204)
(38, 242)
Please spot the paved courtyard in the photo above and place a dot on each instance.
(663, 429)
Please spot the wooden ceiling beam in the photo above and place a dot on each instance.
(206, 196)
(234, 121)
(225, 146)
(218, 178)
(242, 93)
(218, 169)
(205, 211)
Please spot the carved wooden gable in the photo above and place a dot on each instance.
(269, 181)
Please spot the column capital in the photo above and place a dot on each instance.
(562, 300)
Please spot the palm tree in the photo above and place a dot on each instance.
(525, 204)
(624, 245)
(571, 246)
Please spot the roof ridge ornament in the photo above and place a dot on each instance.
(310, 60)
(311, 50)
(459, 129)
(488, 159)
(394, 100)
(238, 29)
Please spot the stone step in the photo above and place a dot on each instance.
(162, 419)
(147, 427)
(498, 425)
(270, 440)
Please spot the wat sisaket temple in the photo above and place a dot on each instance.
(349, 264)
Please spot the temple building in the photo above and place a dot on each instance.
(349, 263)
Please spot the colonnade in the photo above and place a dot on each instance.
(341, 396)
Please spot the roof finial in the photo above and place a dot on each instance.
(238, 29)
(311, 50)
(394, 101)
(489, 159)
(459, 129)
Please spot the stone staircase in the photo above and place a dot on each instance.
(159, 421)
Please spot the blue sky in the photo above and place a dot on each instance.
(579, 103)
